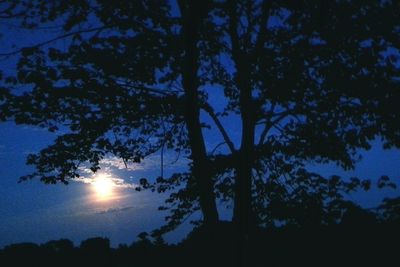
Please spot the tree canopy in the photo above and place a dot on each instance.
(311, 81)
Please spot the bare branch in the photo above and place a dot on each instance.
(54, 39)
(272, 123)
(219, 125)
(164, 92)
(216, 147)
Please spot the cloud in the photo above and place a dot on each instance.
(84, 170)
(114, 210)
(171, 161)
(111, 165)
(114, 162)
(121, 183)
(152, 162)
(116, 181)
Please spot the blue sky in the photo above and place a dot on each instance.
(32, 211)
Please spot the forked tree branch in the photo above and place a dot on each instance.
(206, 107)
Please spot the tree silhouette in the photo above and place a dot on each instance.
(305, 82)
(308, 89)
(114, 88)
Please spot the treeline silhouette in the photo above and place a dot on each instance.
(361, 237)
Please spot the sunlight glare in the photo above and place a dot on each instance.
(103, 186)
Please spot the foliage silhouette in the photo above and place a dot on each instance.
(137, 76)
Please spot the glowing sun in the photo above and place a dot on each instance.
(103, 186)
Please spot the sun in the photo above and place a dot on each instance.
(103, 186)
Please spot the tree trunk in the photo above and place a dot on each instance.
(242, 203)
(243, 216)
(242, 213)
(191, 18)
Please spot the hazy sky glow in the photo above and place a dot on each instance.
(34, 212)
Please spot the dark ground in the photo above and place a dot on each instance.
(374, 244)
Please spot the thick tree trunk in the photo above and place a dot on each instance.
(191, 19)
(242, 213)
(203, 178)
(242, 189)
(243, 216)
